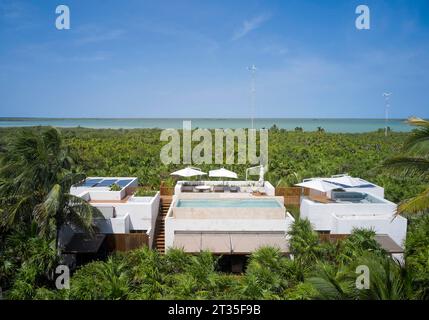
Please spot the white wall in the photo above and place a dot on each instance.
(113, 225)
(320, 214)
(142, 213)
(172, 225)
(343, 217)
(106, 194)
(270, 190)
(383, 224)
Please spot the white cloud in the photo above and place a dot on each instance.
(250, 25)
(275, 49)
(91, 34)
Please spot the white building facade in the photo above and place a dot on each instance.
(354, 207)
(122, 212)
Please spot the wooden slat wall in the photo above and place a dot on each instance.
(292, 195)
(166, 191)
(332, 237)
(126, 242)
(130, 190)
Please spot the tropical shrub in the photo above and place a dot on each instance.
(359, 241)
(107, 280)
(417, 255)
(304, 243)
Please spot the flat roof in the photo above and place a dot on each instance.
(384, 240)
(97, 182)
(388, 244)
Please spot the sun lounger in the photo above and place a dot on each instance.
(187, 189)
(234, 189)
(218, 189)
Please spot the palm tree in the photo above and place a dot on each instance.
(36, 173)
(332, 283)
(359, 241)
(101, 280)
(414, 162)
(304, 242)
(387, 280)
(266, 274)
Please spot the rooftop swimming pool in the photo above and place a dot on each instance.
(355, 197)
(229, 203)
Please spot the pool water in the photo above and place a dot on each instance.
(228, 203)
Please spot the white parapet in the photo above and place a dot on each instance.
(224, 220)
(113, 225)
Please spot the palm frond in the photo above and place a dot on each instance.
(17, 208)
(418, 204)
(332, 283)
(48, 209)
(409, 165)
(418, 140)
(80, 213)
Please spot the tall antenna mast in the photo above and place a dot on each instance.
(386, 96)
(252, 70)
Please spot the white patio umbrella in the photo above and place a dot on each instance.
(318, 185)
(188, 172)
(222, 173)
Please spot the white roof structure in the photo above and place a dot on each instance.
(343, 181)
(347, 181)
(317, 184)
(188, 172)
(222, 172)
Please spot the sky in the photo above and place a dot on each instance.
(189, 59)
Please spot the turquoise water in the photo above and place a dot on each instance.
(330, 125)
(223, 203)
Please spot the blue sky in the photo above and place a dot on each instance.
(189, 58)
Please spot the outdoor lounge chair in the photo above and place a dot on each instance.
(234, 189)
(218, 189)
(187, 189)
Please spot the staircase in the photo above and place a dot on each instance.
(164, 205)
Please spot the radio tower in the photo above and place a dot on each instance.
(252, 70)
(386, 96)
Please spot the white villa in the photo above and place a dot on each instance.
(337, 204)
(229, 217)
(122, 212)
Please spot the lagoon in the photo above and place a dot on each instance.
(330, 125)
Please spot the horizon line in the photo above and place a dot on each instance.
(192, 118)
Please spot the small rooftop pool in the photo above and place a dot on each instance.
(354, 197)
(229, 203)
